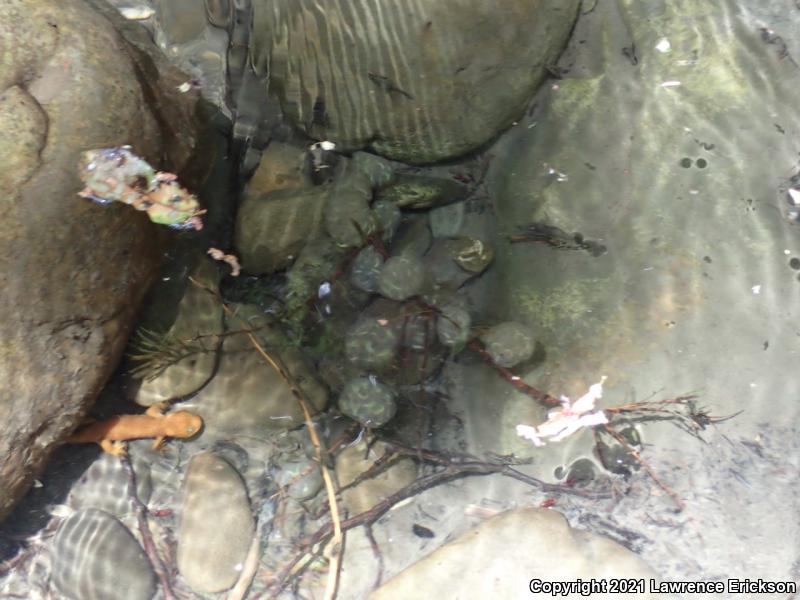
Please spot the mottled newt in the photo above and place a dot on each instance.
(112, 433)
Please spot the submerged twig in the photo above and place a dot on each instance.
(541, 397)
(681, 411)
(144, 531)
(338, 540)
(453, 467)
(638, 458)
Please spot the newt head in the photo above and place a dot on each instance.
(182, 424)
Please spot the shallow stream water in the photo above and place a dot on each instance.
(671, 139)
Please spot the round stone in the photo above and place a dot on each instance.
(216, 527)
(509, 343)
(95, 557)
(473, 255)
(368, 401)
(453, 326)
(377, 169)
(371, 343)
(348, 218)
(366, 269)
(388, 216)
(302, 476)
(401, 278)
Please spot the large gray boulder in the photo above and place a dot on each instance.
(72, 273)
(415, 82)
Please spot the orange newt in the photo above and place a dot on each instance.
(112, 433)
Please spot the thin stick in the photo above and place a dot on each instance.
(638, 457)
(144, 530)
(453, 469)
(338, 541)
(541, 397)
(377, 552)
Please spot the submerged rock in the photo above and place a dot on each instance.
(401, 277)
(198, 321)
(479, 564)
(454, 261)
(302, 476)
(388, 217)
(247, 395)
(372, 343)
(509, 343)
(420, 192)
(415, 83)
(282, 167)
(413, 238)
(355, 460)
(74, 273)
(272, 228)
(348, 218)
(453, 325)
(366, 269)
(95, 557)
(473, 255)
(368, 401)
(379, 170)
(447, 221)
(216, 527)
(105, 486)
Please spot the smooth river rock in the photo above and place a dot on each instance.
(498, 559)
(216, 527)
(415, 82)
(96, 558)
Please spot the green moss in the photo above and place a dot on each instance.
(577, 97)
(559, 311)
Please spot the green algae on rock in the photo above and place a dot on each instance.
(368, 401)
(401, 277)
(372, 343)
(419, 192)
(508, 343)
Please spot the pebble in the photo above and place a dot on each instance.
(216, 527)
(96, 558)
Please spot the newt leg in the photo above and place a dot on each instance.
(158, 409)
(158, 443)
(115, 447)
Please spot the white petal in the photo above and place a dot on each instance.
(586, 402)
(529, 433)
